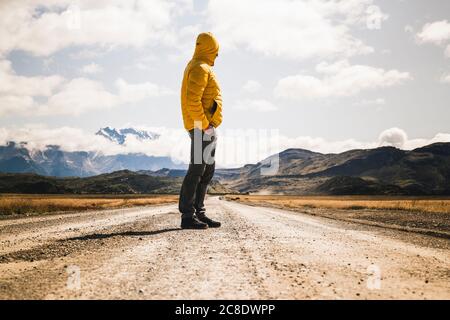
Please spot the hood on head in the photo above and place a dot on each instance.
(206, 48)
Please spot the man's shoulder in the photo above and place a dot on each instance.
(200, 66)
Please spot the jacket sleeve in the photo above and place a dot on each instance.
(197, 81)
(216, 119)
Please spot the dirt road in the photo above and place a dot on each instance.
(259, 253)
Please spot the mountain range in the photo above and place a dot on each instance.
(379, 171)
(119, 182)
(52, 161)
(384, 170)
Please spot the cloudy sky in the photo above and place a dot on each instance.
(324, 75)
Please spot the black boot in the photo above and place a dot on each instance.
(192, 223)
(211, 223)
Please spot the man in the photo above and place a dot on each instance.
(201, 106)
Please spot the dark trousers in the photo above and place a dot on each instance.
(199, 174)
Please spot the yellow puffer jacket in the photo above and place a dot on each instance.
(201, 101)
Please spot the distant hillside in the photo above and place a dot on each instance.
(165, 172)
(119, 182)
(52, 161)
(385, 170)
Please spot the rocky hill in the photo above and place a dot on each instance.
(384, 170)
(119, 182)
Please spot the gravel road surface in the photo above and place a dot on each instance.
(259, 253)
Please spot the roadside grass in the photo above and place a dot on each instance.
(26, 204)
(421, 204)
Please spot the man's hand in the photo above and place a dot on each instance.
(210, 131)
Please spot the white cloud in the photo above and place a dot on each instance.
(437, 32)
(237, 147)
(251, 86)
(16, 104)
(137, 92)
(81, 95)
(78, 96)
(70, 139)
(92, 68)
(375, 17)
(294, 29)
(420, 142)
(17, 92)
(398, 138)
(172, 143)
(61, 96)
(12, 84)
(339, 79)
(44, 27)
(259, 105)
(393, 137)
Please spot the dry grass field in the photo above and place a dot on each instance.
(26, 204)
(421, 214)
(433, 205)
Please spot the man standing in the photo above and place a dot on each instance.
(201, 106)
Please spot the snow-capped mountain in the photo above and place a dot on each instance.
(120, 135)
(52, 161)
